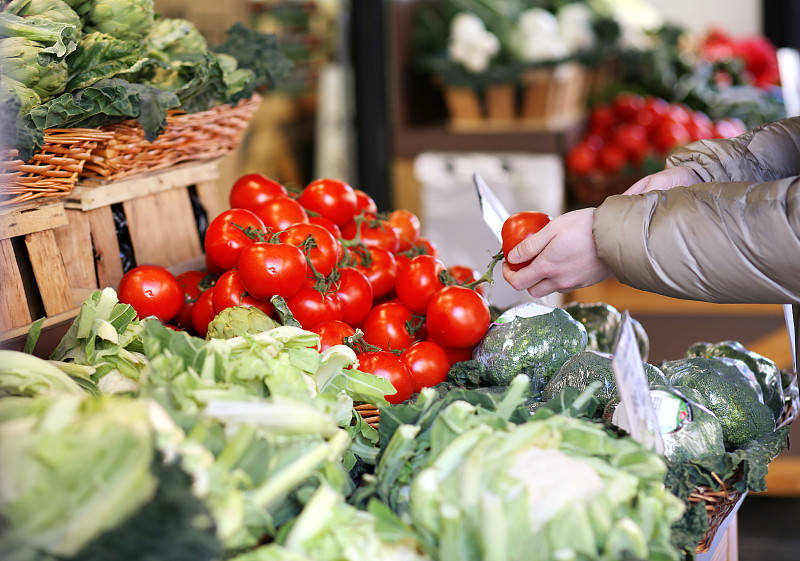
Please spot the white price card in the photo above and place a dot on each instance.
(634, 391)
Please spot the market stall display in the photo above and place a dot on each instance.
(256, 441)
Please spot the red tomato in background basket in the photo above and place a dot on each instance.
(193, 283)
(417, 281)
(519, 226)
(281, 212)
(269, 269)
(229, 291)
(152, 291)
(386, 326)
(252, 190)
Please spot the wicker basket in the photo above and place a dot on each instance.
(53, 171)
(188, 137)
(370, 413)
(721, 501)
(593, 188)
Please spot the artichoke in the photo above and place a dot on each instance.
(19, 60)
(172, 38)
(28, 99)
(238, 320)
(54, 10)
(123, 19)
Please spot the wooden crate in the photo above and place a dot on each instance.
(158, 214)
(33, 276)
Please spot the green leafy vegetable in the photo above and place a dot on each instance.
(100, 55)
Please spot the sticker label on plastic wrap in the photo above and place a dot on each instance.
(671, 412)
(634, 391)
(526, 310)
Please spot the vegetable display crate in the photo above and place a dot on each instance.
(551, 98)
(723, 502)
(53, 171)
(593, 188)
(33, 275)
(188, 137)
(158, 218)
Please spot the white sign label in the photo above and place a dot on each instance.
(634, 391)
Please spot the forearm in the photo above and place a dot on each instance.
(730, 242)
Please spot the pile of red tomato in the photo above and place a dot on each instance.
(632, 128)
(339, 265)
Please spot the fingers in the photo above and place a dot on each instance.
(530, 247)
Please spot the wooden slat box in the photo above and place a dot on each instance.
(33, 274)
(159, 216)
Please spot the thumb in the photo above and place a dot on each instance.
(529, 247)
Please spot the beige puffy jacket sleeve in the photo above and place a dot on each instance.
(733, 239)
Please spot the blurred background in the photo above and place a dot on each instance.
(405, 100)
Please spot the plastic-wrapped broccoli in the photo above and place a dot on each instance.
(529, 339)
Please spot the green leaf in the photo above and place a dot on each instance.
(98, 56)
(33, 335)
(258, 52)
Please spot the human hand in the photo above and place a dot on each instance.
(564, 257)
(678, 176)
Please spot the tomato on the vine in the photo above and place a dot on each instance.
(281, 212)
(426, 247)
(365, 203)
(458, 354)
(427, 362)
(389, 366)
(381, 272)
(310, 306)
(225, 238)
(355, 294)
(417, 281)
(372, 232)
(457, 317)
(203, 312)
(332, 198)
(519, 226)
(387, 326)
(152, 291)
(268, 269)
(191, 282)
(327, 224)
(463, 274)
(407, 227)
(323, 252)
(332, 332)
(252, 190)
(229, 291)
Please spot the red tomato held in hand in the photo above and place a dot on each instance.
(519, 226)
(152, 291)
(225, 239)
(269, 269)
(355, 294)
(457, 317)
(229, 291)
(281, 212)
(252, 190)
(331, 198)
(203, 312)
(331, 332)
(389, 366)
(323, 252)
(427, 362)
(417, 281)
(386, 326)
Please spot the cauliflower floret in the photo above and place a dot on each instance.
(470, 43)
